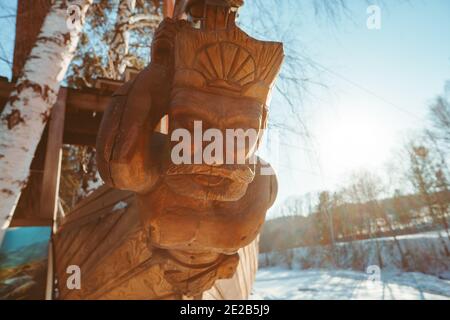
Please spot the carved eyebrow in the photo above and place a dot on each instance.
(193, 111)
(248, 111)
(254, 115)
(244, 122)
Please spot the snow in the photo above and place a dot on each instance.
(120, 205)
(278, 283)
(424, 252)
(366, 269)
(422, 235)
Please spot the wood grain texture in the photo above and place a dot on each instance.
(240, 285)
(159, 229)
(116, 262)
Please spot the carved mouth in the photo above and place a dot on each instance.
(208, 181)
(238, 173)
(206, 187)
(219, 183)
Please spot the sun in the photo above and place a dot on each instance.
(353, 141)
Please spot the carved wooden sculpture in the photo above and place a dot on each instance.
(176, 228)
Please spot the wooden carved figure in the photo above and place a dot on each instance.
(169, 221)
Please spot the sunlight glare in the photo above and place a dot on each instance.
(353, 141)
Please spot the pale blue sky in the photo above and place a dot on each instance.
(379, 84)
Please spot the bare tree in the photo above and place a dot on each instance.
(299, 71)
(325, 212)
(128, 19)
(117, 35)
(423, 174)
(440, 117)
(365, 189)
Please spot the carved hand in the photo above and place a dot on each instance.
(125, 136)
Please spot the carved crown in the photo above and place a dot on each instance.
(228, 61)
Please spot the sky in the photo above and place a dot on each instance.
(375, 85)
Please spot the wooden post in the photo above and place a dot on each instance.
(50, 278)
(168, 6)
(53, 157)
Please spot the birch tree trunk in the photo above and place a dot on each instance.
(119, 47)
(130, 16)
(28, 108)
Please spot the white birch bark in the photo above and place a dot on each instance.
(127, 20)
(119, 46)
(28, 108)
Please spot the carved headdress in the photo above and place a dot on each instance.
(220, 57)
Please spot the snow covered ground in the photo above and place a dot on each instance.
(311, 273)
(316, 284)
(424, 253)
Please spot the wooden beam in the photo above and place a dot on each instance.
(50, 273)
(53, 156)
(88, 99)
(93, 100)
(83, 112)
(168, 6)
(83, 122)
(30, 222)
(80, 139)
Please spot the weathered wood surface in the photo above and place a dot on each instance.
(183, 227)
(94, 230)
(240, 286)
(103, 238)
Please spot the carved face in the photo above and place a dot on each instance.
(214, 140)
(212, 197)
(216, 206)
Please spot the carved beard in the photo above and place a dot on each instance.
(182, 222)
(209, 183)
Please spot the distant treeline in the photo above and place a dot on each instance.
(386, 218)
(413, 196)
